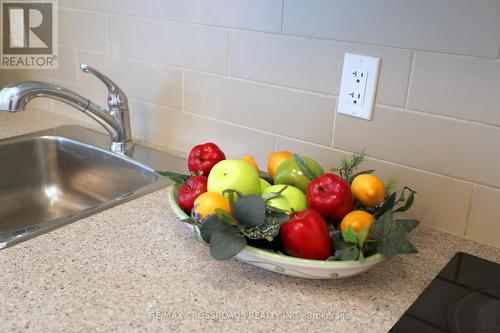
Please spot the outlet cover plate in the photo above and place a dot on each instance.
(358, 86)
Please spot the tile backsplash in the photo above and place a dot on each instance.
(261, 75)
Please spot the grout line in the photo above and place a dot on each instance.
(469, 209)
(263, 83)
(315, 38)
(228, 53)
(275, 142)
(106, 28)
(335, 108)
(410, 76)
(283, 16)
(440, 116)
(183, 91)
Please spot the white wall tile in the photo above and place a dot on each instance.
(450, 147)
(457, 86)
(301, 115)
(441, 203)
(127, 7)
(454, 26)
(484, 219)
(96, 94)
(82, 30)
(169, 43)
(183, 131)
(67, 70)
(314, 65)
(264, 15)
(157, 84)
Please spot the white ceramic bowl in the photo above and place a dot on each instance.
(283, 264)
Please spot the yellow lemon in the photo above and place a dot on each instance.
(358, 220)
(368, 189)
(206, 204)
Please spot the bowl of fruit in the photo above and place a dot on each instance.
(295, 219)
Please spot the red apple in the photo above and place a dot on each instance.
(331, 196)
(190, 190)
(203, 157)
(305, 235)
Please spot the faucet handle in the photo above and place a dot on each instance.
(116, 97)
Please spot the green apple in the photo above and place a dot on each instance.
(290, 199)
(263, 185)
(235, 175)
(292, 173)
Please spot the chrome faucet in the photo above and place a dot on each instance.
(15, 96)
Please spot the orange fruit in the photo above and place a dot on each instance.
(249, 159)
(358, 220)
(275, 159)
(206, 204)
(368, 189)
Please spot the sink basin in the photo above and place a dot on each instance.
(47, 181)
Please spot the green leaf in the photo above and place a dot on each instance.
(226, 242)
(349, 235)
(382, 227)
(208, 228)
(188, 220)
(232, 195)
(391, 184)
(266, 176)
(338, 241)
(273, 195)
(271, 209)
(409, 202)
(361, 237)
(406, 225)
(250, 211)
(361, 258)
(280, 215)
(223, 215)
(387, 205)
(395, 244)
(349, 253)
(304, 167)
(391, 235)
(176, 177)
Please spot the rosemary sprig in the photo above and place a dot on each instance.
(348, 164)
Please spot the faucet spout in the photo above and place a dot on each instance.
(15, 96)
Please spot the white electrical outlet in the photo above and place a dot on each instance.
(358, 86)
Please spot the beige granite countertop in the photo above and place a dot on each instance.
(130, 267)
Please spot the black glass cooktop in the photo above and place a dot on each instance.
(464, 297)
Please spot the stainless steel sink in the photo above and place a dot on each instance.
(49, 179)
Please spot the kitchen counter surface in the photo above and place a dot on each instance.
(135, 267)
